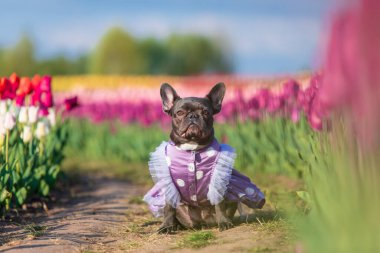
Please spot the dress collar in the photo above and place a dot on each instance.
(214, 145)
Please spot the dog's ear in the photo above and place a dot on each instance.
(216, 96)
(168, 96)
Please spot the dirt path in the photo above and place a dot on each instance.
(106, 215)
(77, 222)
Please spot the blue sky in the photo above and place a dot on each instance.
(264, 36)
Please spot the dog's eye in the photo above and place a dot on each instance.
(180, 113)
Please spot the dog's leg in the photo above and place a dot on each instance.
(221, 217)
(170, 222)
(195, 214)
(231, 208)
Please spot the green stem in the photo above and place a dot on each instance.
(6, 150)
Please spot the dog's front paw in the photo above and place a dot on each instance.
(225, 224)
(169, 228)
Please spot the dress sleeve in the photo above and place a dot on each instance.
(160, 173)
(221, 175)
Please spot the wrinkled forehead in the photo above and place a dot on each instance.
(192, 103)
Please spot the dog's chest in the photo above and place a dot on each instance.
(191, 172)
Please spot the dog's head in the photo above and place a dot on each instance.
(192, 117)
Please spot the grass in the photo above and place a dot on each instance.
(268, 146)
(344, 187)
(263, 229)
(197, 239)
(35, 230)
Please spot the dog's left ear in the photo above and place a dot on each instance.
(216, 96)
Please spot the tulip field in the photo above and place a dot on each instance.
(275, 122)
(32, 138)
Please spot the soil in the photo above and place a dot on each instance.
(104, 214)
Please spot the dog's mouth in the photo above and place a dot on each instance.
(193, 131)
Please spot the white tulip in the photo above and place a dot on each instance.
(3, 107)
(23, 115)
(26, 134)
(32, 114)
(9, 121)
(42, 129)
(15, 110)
(51, 117)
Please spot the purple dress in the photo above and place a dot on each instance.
(197, 178)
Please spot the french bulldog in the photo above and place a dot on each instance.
(192, 129)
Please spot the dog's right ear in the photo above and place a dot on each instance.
(168, 96)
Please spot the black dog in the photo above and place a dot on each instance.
(193, 134)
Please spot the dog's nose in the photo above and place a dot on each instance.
(193, 115)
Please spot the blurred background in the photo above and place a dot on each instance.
(167, 37)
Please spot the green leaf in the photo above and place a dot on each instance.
(44, 188)
(305, 196)
(21, 195)
(5, 195)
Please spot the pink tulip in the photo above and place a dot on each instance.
(43, 112)
(351, 80)
(20, 100)
(46, 99)
(45, 84)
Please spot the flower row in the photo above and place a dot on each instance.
(143, 105)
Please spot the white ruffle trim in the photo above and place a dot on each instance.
(160, 173)
(222, 174)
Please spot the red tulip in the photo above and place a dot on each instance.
(35, 98)
(4, 84)
(25, 87)
(36, 81)
(71, 103)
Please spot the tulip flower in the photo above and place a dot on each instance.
(4, 84)
(15, 82)
(26, 134)
(51, 117)
(20, 100)
(3, 107)
(71, 103)
(23, 115)
(32, 114)
(35, 98)
(46, 99)
(295, 115)
(45, 84)
(43, 112)
(9, 121)
(42, 129)
(25, 86)
(36, 82)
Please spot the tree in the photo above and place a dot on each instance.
(117, 53)
(154, 52)
(194, 54)
(19, 59)
(60, 65)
